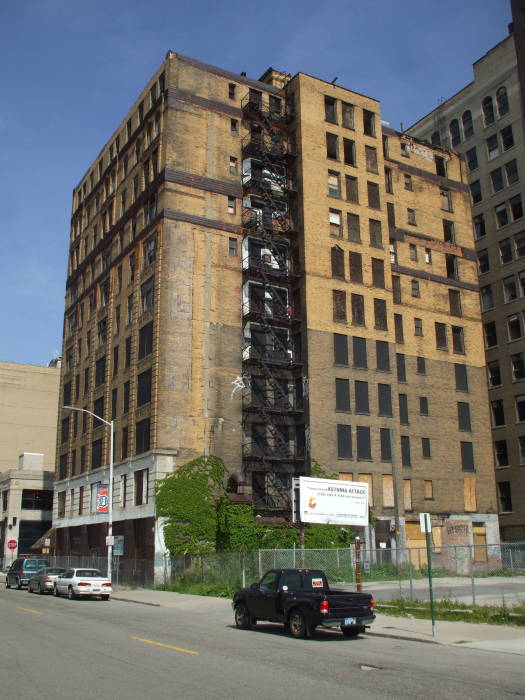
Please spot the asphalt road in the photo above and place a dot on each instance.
(60, 649)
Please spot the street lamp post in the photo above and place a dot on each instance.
(110, 505)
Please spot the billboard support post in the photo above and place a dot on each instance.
(358, 565)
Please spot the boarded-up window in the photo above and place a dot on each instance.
(348, 115)
(388, 490)
(339, 305)
(380, 314)
(356, 267)
(441, 335)
(425, 447)
(479, 536)
(352, 189)
(378, 273)
(437, 538)
(364, 449)
(367, 479)
(340, 349)
(371, 159)
(469, 494)
(386, 447)
(359, 350)
(391, 214)
(429, 490)
(338, 262)
(354, 228)
(346, 476)
(467, 457)
(407, 493)
(374, 201)
(334, 220)
(398, 328)
(382, 356)
(344, 441)
(342, 395)
(358, 310)
(376, 237)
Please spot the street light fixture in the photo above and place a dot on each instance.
(110, 505)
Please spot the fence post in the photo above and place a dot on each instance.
(358, 565)
(410, 575)
(473, 584)
(510, 557)
(260, 566)
(243, 570)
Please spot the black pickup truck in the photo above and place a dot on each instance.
(302, 600)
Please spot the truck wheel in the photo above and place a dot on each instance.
(352, 631)
(298, 626)
(243, 619)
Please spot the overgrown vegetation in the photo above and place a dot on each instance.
(453, 610)
(201, 519)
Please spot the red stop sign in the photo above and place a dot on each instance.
(11, 544)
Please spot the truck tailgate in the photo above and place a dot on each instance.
(349, 604)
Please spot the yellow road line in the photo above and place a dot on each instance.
(35, 612)
(166, 646)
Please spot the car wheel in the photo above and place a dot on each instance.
(55, 591)
(7, 584)
(298, 626)
(40, 589)
(18, 584)
(242, 617)
(104, 597)
(29, 589)
(352, 631)
(71, 593)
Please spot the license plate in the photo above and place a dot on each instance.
(349, 621)
(96, 590)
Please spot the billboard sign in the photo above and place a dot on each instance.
(333, 502)
(102, 499)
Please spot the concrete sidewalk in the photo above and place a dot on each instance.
(499, 638)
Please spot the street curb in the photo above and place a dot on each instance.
(139, 602)
(400, 636)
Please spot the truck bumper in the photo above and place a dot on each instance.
(337, 623)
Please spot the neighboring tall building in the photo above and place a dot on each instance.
(484, 123)
(232, 290)
(28, 412)
(28, 425)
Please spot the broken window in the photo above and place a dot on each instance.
(458, 340)
(488, 111)
(373, 195)
(446, 198)
(334, 184)
(380, 314)
(376, 238)
(388, 182)
(338, 262)
(349, 152)
(448, 231)
(468, 128)
(507, 139)
(371, 159)
(354, 230)
(352, 190)
(334, 219)
(369, 125)
(348, 115)
(441, 166)
(356, 267)
(398, 328)
(411, 217)
(455, 134)
(441, 335)
(330, 109)
(358, 310)
(339, 306)
(454, 300)
(378, 273)
(332, 150)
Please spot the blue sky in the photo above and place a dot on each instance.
(71, 69)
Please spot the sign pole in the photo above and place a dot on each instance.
(358, 564)
(425, 522)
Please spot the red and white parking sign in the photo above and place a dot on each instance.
(102, 498)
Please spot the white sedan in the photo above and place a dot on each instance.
(77, 583)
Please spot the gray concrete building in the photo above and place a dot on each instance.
(484, 123)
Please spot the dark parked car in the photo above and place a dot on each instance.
(22, 569)
(302, 600)
(44, 579)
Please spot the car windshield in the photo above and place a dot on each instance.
(31, 565)
(88, 573)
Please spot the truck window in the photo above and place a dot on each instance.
(291, 579)
(269, 580)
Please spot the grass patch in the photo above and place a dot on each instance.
(456, 611)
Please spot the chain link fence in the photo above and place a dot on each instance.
(475, 575)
